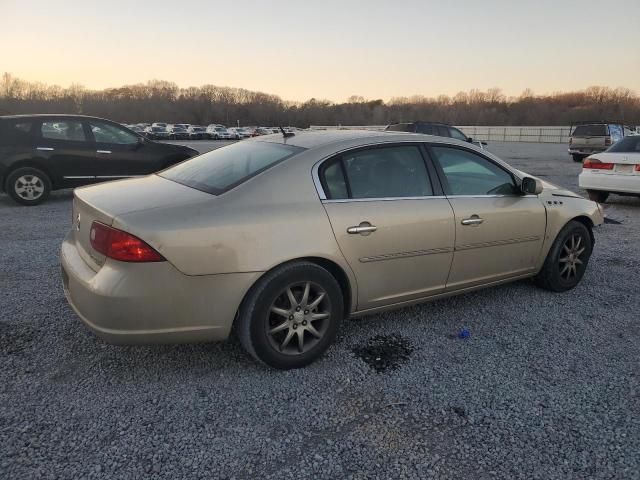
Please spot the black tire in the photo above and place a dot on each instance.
(598, 195)
(552, 275)
(37, 186)
(578, 158)
(255, 318)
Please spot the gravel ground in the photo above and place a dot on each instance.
(545, 385)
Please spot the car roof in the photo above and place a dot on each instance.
(323, 138)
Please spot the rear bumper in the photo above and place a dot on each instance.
(128, 303)
(586, 150)
(609, 182)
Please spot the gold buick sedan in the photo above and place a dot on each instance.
(282, 236)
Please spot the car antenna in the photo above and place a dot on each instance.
(286, 134)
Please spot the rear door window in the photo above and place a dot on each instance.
(388, 172)
(594, 130)
(224, 168)
(67, 130)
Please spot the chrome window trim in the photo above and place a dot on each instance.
(382, 199)
(315, 170)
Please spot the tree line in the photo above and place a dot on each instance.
(159, 100)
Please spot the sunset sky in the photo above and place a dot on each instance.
(326, 49)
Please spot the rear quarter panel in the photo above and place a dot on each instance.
(270, 219)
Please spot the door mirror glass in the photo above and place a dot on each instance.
(531, 186)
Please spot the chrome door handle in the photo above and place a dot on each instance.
(365, 228)
(45, 149)
(473, 220)
(103, 151)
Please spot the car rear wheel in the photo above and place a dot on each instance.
(598, 195)
(291, 316)
(567, 260)
(577, 158)
(28, 186)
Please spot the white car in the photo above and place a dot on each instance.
(197, 132)
(616, 170)
(239, 133)
(219, 132)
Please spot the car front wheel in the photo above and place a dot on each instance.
(577, 158)
(567, 259)
(28, 186)
(291, 316)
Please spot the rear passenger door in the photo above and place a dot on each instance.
(391, 222)
(499, 231)
(62, 145)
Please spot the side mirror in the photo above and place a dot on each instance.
(470, 139)
(531, 186)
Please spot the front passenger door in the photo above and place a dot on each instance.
(119, 152)
(499, 231)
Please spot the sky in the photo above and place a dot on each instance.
(326, 49)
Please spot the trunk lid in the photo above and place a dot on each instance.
(106, 201)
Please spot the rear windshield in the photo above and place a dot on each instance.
(224, 168)
(626, 145)
(594, 130)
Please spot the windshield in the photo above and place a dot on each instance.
(224, 168)
(626, 145)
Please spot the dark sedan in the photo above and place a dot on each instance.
(41, 153)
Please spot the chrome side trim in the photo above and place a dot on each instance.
(45, 149)
(385, 199)
(417, 253)
(497, 243)
(119, 176)
(492, 196)
(102, 176)
(103, 151)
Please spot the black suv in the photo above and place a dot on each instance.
(431, 128)
(40, 153)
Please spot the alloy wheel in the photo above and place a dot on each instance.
(570, 260)
(29, 187)
(298, 318)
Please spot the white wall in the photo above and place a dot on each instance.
(540, 134)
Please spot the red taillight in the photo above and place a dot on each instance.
(637, 169)
(119, 245)
(607, 140)
(596, 164)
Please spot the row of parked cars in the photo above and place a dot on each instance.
(214, 131)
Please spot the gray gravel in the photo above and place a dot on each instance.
(546, 385)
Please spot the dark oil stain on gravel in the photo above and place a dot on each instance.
(612, 221)
(385, 352)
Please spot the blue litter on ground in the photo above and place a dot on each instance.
(464, 333)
